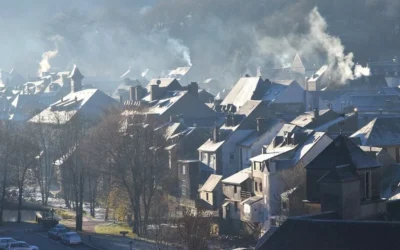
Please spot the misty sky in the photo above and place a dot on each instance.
(107, 37)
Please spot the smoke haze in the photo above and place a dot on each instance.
(220, 38)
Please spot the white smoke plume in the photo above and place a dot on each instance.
(340, 64)
(45, 65)
(179, 48)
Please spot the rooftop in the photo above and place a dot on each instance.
(211, 183)
(381, 131)
(239, 177)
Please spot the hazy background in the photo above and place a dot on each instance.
(217, 36)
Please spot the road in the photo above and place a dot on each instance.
(41, 240)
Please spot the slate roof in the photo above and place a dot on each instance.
(308, 117)
(381, 131)
(322, 234)
(89, 102)
(210, 146)
(247, 88)
(239, 177)
(342, 151)
(340, 174)
(211, 183)
(164, 82)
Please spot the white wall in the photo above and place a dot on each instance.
(230, 147)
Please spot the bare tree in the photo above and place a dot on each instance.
(24, 160)
(133, 153)
(73, 171)
(45, 136)
(6, 137)
(194, 228)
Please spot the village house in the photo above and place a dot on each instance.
(381, 132)
(238, 138)
(262, 183)
(88, 103)
(166, 98)
(329, 121)
(210, 194)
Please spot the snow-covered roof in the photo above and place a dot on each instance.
(239, 177)
(90, 102)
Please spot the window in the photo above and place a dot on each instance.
(367, 184)
(183, 187)
(254, 165)
(236, 206)
(260, 186)
(207, 196)
(235, 189)
(256, 186)
(183, 169)
(231, 158)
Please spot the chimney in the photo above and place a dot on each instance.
(316, 113)
(138, 93)
(132, 95)
(261, 125)
(228, 120)
(216, 134)
(76, 79)
(154, 91)
(193, 89)
(121, 100)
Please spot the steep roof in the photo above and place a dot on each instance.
(297, 65)
(322, 234)
(239, 177)
(245, 89)
(89, 102)
(381, 131)
(210, 146)
(76, 74)
(308, 117)
(342, 151)
(211, 183)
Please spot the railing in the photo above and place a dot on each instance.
(244, 195)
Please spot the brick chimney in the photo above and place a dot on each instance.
(216, 134)
(132, 96)
(193, 89)
(154, 92)
(76, 79)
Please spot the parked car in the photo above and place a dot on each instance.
(20, 245)
(5, 240)
(71, 238)
(57, 232)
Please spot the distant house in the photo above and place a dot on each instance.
(284, 97)
(167, 99)
(381, 132)
(228, 151)
(211, 192)
(89, 104)
(127, 90)
(328, 121)
(343, 159)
